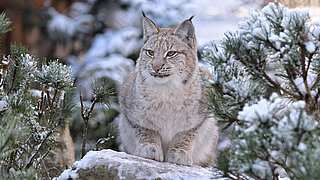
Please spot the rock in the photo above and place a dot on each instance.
(61, 156)
(109, 164)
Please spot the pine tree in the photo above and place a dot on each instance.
(32, 101)
(265, 87)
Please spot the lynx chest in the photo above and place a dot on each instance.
(168, 111)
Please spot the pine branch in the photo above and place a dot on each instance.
(3, 110)
(52, 107)
(48, 151)
(85, 113)
(309, 60)
(315, 83)
(48, 96)
(13, 80)
(101, 94)
(260, 142)
(41, 106)
(277, 86)
(304, 72)
(4, 64)
(4, 24)
(30, 161)
(5, 143)
(289, 72)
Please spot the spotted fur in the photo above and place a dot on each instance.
(160, 110)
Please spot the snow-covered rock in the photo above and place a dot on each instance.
(109, 164)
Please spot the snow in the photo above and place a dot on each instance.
(142, 168)
(311, 79)
(284, 178)
(262, 169)
(78, 8)
(310, 46)
(175, 11)
(224, 143)
(261, 111)
(113, 66)
(273, 125)
(35, 93)
(67, 174)
(6, 60)
(259, 33)
(3, 105)
(62, 27)
(124, 42)
(61, 24)
(212, 20)
(302, 146)
(107, 56)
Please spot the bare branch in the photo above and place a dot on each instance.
(41, 106)
(30, 161)
(309, 62)
(81, 103)
(84, 139)
(304, 71)
(52, 107)
(315, 83)
(48, 96)
(276, 85)
(289, 71)
(13, 80)
(85, 113)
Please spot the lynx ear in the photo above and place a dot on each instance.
(149, 28)
(185, 31)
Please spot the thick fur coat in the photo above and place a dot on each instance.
(160, 105)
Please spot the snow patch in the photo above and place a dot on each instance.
(3, 105)
(310, 46)
(114, 66)
(61, 24)
(140, 167)
(124, 42)
(311, 79)
(67, 174)
(262, 169)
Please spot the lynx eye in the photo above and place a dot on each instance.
(171, 53)
(150, 53)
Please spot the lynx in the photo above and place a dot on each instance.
(161, 115)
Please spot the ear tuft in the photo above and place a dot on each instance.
(190, 19)
(149, 28)
(185, 31)
(143, 14)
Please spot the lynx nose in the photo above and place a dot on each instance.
(157, 68)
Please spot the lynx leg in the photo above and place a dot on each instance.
(149, 144)
(196, 146)
(140, 141)
(181, 148)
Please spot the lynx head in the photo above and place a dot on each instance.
(168, 55)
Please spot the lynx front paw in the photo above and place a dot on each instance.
(150, 151)
(179, 156)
